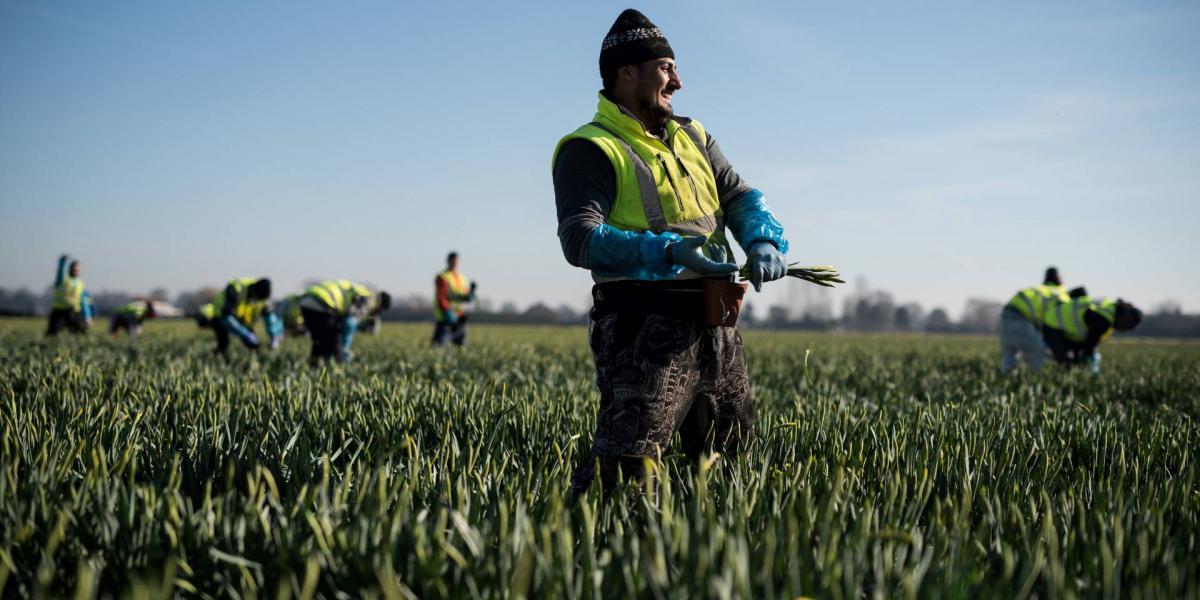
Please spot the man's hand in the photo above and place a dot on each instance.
(451, 316)
(766, 264)
(687, 253)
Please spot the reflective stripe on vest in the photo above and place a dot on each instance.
(457, 286)
(339, 294)
(69, 294)
(1068, 317)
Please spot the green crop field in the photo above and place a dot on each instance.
(884, 466)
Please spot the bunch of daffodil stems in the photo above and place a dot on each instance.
(824, 275)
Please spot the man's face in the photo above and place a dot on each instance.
(74, 271)
(452, 263)
(657, 83)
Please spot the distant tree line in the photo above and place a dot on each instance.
(806, 309)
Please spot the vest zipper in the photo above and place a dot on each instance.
(688, 177)
(678, 199)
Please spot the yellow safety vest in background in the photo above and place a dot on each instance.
(292, 317)
(68, 295)
(244, 309)
(208, 312)
(1067, 317)
(137, 310)
(339, 294)
(660, 187)
(457, 284)
(1032, 301)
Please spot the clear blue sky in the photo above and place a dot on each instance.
(941, 152)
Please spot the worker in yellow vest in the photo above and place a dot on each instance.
(290, 315)
(236, 310)
(1021, 323)
(644, 198)
(451, 290)
(332, 310)
(72, 307)
(1075, 327)
(129, 318)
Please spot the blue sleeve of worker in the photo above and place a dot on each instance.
(62, 270)
(615, 253)
(236, 327)
(274, 324)
(86, 306)
(349, 327)
(750, 220)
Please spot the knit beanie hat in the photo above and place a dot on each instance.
(632, 40)
(1052, 277)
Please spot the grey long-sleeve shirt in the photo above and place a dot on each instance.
(585, 186)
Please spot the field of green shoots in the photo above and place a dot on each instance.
(884, 466)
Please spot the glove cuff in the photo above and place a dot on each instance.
(751, 221)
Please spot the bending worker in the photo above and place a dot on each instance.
(238, 307)
(331, 311)
(643, 198)
(1075, 327)
(131, 316)
(450, 292)
(293, 320)
(73, 307)
(1021, 323)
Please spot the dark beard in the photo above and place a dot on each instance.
(657, 114)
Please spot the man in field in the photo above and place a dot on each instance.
(237, 308)
(331, 311)
(1074, 327)
(450, 291)
(644, 198)
(1021, 323)
(129, 318)
(72, 307)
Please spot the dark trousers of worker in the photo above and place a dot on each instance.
(659, 375)
(446, 333)
(65, 318)
(124, 322)
(324, 330)
(222, 334)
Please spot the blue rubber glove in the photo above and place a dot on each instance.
(614, 252)
(451, 317)
(248, 338)
(766, 264)
(274, 326)
(688, 253)
(751, 221)
(349, 328)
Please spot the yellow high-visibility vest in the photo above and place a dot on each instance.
(1067, 317)
(244, 309)
(459, 291)
(1032, 301)
(660, 186)
(68, 295)
(339, 294)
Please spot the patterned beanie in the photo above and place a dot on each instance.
(632, 40)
